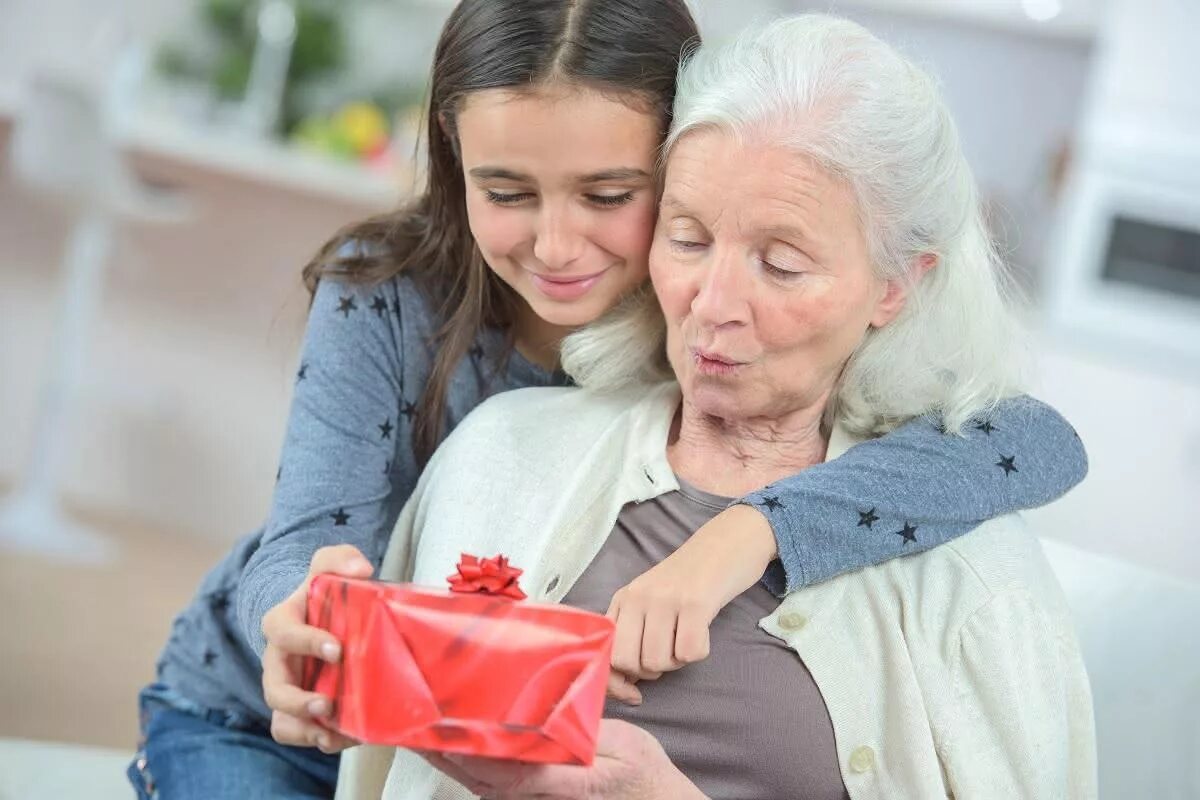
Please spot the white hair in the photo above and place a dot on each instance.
(831, 91)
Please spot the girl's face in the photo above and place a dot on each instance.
(561, 199)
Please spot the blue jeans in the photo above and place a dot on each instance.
(189, 753)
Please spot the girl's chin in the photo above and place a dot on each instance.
(572, 315)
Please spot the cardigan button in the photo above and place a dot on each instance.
(792, 621)
(862, 759)
(550, 587)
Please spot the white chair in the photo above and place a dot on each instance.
(1140, 634)
(65, 150)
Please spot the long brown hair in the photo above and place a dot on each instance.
(621, 46)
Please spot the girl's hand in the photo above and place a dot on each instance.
(630, 765)
(297, 715)
(663, 615)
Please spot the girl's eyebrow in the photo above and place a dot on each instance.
(616, 174)
(486, 173)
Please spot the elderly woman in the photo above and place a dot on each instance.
(824, 275)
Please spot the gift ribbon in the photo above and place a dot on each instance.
(492, 576)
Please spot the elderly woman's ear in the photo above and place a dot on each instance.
(896, 294)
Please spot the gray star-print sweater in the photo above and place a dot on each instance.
(347, 468)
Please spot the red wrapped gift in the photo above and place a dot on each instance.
(471, 670)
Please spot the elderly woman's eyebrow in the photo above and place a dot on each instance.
(672, 203)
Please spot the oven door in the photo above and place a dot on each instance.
(1126, 272)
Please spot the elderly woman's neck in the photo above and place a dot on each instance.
(732, 457)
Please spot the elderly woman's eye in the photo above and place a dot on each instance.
(685, 245)
(780, 271)
(506, 198)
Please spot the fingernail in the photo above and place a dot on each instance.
(318, 708)
(323, 742)
(330, 651)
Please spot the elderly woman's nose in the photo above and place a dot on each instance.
(722, 296)
(558, 240)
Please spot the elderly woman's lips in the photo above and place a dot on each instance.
(566, 288)
(708, 363)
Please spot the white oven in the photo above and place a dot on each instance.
(1125, 272)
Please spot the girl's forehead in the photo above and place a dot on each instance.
(575, 135)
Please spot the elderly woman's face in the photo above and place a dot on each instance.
(762, 269)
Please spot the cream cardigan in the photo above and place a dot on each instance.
(951, 673)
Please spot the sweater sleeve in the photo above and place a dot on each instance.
(1022, 724)
(915, 488)
(347, 464)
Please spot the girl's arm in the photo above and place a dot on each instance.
(347, 465)
(902, 493)
(916, 488)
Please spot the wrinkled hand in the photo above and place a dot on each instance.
(663, 615)
(296, 714)
(630, 765)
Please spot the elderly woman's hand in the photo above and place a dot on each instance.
(663, 615)
(294, 712)
(630, 765)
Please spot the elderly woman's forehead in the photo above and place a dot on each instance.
(721, 169)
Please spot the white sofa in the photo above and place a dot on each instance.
(1140, 633)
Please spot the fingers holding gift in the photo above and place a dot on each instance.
(288, 633)
(500, 779)
(297, 732)
(342, 559)
(284, 696)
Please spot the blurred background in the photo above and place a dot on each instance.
(149, 320)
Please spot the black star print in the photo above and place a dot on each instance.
(771, 503)
(209, 658)
(347, 305)
(1008, 464)
(986, 426)
(408, 409)
(379, 305)
(909, 533)
(476, 352)
(218, 602)
(341, 517)
(302, 373)
(385, 430)
(867, 518)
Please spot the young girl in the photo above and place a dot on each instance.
(544, 125)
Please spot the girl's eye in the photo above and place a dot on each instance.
(506, 198)
(610, 200)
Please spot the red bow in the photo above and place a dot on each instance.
(487, 576)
